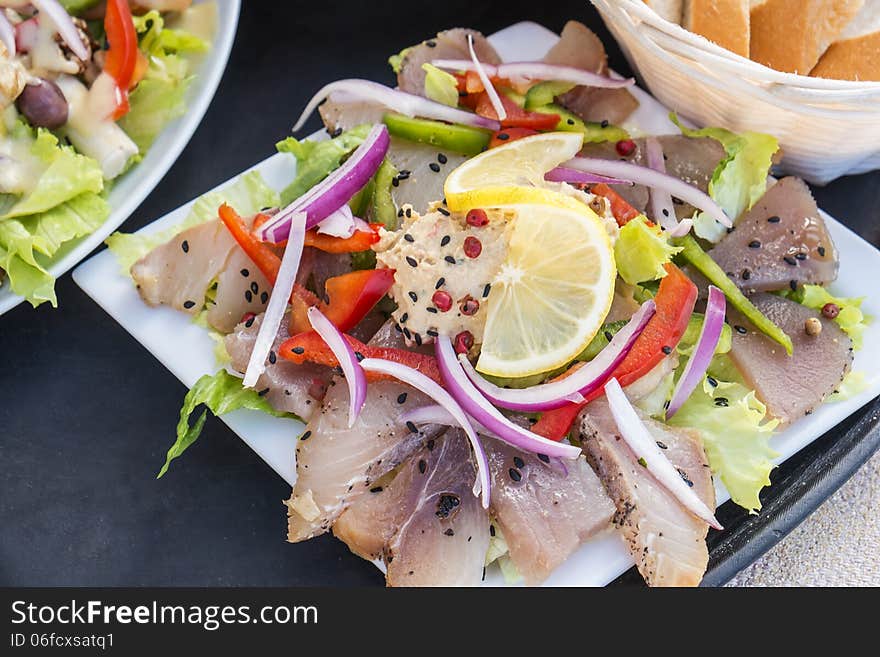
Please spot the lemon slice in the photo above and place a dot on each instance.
(520, 163)
(553, 292)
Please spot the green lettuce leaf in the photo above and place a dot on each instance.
(222, 393)
(248, 195)
(316, 159)
(396, 61)
(740, 179)
(641, 251)
(440, 86)
(853, 383)
(161, 96)
(736, 436)
(850, 319)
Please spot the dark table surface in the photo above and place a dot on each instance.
(87, 413)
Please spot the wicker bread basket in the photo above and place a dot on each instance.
(827, 128)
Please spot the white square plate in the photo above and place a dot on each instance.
(132, 188)
(189, 355)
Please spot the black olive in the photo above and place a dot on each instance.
(43, 105)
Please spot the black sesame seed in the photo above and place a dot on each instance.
(400, 212)
(434, 167)
(665, 212)
(518, 462)
(570, 121)
(486, 289)
(800, 256)
(515, 474)
(450, 532)
(272, 357)
(336, 133)
(723, 402)
(418, 339)
(491, 530)
(712, 381)
(401, 398)
(306, 435)
(605, 123)
(408, 212)
(450, 260)
(502, 136)
(412, 428)
(430, 445)
(264, 297)
(793, 285)
(248, 296)
(441, 158)
(188, 304)
(411, 261)
(250, 322)
(376, 489)
(443, 211)
(409, 238)
(412, 295)
(245, 273)
(185, 246)
(299, 351)
(432, 310)
(789, 260)
(255, 288)
(432, 332)
(422, 466)
(774, 219)
(746, 274)
(404, 317)
(667, 349)
(446, 239)
(821, 251)
(685, 477)
(395, 182)
(754, 244)
(544, 458)
(440, 282)
(661, 445)
(263, 392)
(608, 335)
(407, 333)
(740, 329)
(359, 356)
(404, 174)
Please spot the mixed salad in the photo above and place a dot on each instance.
(85, 88)
(508, 323)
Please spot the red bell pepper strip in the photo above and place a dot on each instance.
(517, 117)
(623, 212)
(507, 135)
(360, 240)
(266, 260)
(353, 295)
(675, 303)
(122, 57)
(310, 347)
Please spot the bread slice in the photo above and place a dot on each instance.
(669, 9)
(791, 35)
(725, 22)
(856, 54)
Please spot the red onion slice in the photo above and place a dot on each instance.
(563, 174)
(487, 83)
(538, 71)
(662, 209)
(64, 24)
(335, 190)
(277, 301)
(7, 34)
(650, 178)
(435, 414)
(477, 406)
(399, 101)
(710, 334)
(639, 439)
(427, 385)
(588, 378)
(348, 361)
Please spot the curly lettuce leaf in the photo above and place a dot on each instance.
(440, 86)
(161, 96)
(641, 251)
(739, 180)
(736, 435)
(248, 195)
(222, 393)
(315, 160)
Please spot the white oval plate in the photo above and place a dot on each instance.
(191, 353)
(131, 189)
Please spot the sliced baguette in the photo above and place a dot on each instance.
(725, 22)
(671, 10)
(791, 35)
(856, 54)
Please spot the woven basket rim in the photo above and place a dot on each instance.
(619, 10)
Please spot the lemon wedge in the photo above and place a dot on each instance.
(553, 291)
(485, 179)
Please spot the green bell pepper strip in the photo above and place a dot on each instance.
(592, 132)
(458, 138)
(694, 254)
(545, 93)
(383, 209)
